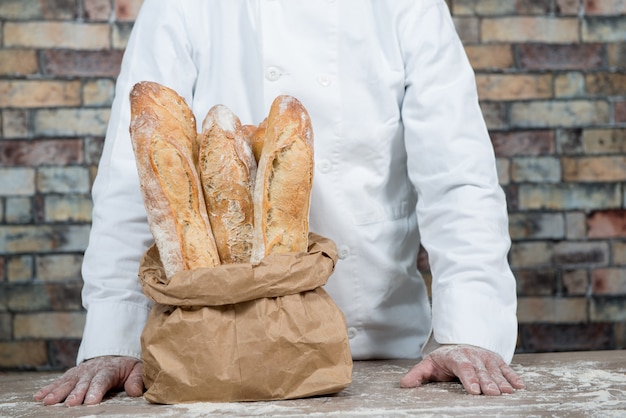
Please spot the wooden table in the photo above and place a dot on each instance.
(580, 384)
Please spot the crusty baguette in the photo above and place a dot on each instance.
(227, 170)
(163, 133)
(256, 137)
(284, 180)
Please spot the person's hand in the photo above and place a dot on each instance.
(479, 370)
(89, 381)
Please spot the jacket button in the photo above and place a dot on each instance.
(272, 73)
(324, 166)
(343, 252)
(324, 80)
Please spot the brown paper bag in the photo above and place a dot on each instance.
(239, 332)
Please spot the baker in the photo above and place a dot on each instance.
(402, 156)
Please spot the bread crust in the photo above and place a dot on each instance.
(256, 137)
(163, 134)
(227, 170)
(284, 181)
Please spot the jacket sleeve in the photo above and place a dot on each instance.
(158, 50)
(461, 207)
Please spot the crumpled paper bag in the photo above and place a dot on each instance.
(239, 332)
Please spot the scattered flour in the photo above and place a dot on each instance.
(585, 389)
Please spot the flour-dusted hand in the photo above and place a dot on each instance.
(479, 370)
(89, 381)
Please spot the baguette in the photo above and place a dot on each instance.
(284, 180)
(256, 137)
(163, 134)
(227, 170)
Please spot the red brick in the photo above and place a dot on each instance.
(104, 63)
(126, 10)
(569, 196)
(121, 33)
(495, 114)
(38, 9)
(58, 267)
(43, 238)
(604, 141)
(551, 309)
(620, 335)
(567, 7)
(15, 123)
(23, 354)
(619, 110)
(18, 62)
(545, 29)
(79, 121)
(606, 84)
(490, 56)
(57, 34)
(34, 153)
(604, 7)
(580, 253)
(467, 28)
(617, 55)
(619, 252)
(39, 93)
(48, 325)
(535, 170)
(559, 113)
(20, 267)
(59, 9)
(6, 326)
(65, 296)
(97, 10)
(39, 208)
(607, 224)
(517, 143)
(501, 87)
(536, 225)
(93, 150)
(575, 282)
(531, 254)
(536, 282)
(532, 7)
(608, 281)
(566, 337)
(594, 169)
(561, 57)
(575, 225)
(63, 353)
(569, 84)
(483, 8)
(569, 141)
(607, 308)
(503, 167)
(604, 29)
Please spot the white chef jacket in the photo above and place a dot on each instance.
(400, 145)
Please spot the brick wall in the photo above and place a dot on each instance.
(551, 79)
(58, 63)
(552, 86)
